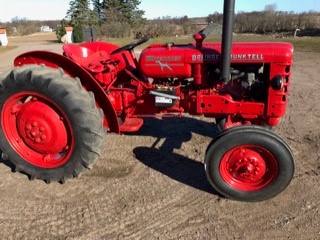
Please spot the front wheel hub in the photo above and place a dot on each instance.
(248, 168)
(246, 165)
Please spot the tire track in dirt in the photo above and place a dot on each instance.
(128, 227)
(160, 212)
(150, 185)
(165, 215)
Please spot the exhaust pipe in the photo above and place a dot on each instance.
(227, 30)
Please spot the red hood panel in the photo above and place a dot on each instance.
(159, 61)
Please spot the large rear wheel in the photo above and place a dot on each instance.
(51, 128)
(249, 163)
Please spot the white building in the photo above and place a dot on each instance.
(3, 37)
(46, 29)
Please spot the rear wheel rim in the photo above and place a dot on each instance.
(37, 129)
(248, 168)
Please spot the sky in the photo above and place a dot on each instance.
(56, 9)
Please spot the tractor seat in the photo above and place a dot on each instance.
(87, 58)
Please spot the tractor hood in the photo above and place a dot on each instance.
(169, 60)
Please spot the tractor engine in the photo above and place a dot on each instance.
(259, 73)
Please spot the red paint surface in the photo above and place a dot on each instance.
(248, 168)
(121, 86)
(37, 129)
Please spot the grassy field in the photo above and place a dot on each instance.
(305, 44)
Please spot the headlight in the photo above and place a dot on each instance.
(277, 82)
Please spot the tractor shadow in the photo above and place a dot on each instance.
(163, 159)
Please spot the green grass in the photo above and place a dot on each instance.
(306, 44)
(303, 44)
(124, 41)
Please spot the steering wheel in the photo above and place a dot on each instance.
(130, 46)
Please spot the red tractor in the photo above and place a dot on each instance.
(56, 109)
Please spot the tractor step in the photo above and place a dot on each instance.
(131, 125)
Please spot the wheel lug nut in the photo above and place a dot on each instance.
(33, 134)
(41, 129)
(43, 137)
(28, 127)
(38, 140)
(34, 124)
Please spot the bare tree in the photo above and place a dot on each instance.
(270, 7)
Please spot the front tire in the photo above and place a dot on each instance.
(249, 163)
(51, 128)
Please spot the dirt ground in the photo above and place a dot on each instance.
(152, 184)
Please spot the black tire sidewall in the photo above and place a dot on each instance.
(40, 86)
(262, 138)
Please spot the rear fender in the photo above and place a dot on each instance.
(72, 69)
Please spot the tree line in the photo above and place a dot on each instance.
(22, 26)
(113, 18)
(271, 21)
(123, 18)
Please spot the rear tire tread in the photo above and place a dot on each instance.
(85, 117)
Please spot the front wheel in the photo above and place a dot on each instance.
(249, 163)
(51, 128)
